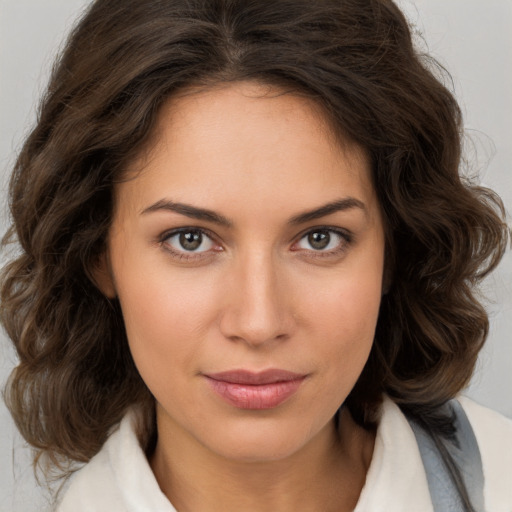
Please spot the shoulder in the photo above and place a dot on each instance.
(396, 477)
(118, 478)
(493, 433)
(93, 487)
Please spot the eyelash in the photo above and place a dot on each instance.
(346, 236)
(187, 255)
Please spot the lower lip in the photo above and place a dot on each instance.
(261, 396)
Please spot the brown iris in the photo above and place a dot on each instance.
(191, 240)
(319, 239)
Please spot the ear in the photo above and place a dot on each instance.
(101, 275)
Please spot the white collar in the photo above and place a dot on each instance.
(396, 479)
(120, 479)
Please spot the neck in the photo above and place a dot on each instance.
(325, 475)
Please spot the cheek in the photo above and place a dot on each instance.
(346, 302)
(342, 316)
(166, 315)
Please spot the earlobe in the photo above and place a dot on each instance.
(100, 274)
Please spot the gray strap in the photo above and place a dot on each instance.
(463, 448)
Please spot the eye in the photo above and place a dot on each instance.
(322, 240)
(189, 240)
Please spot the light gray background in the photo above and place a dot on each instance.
(472, 38)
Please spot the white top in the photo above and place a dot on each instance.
(119, 479)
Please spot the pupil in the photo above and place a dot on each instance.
(319, 239)
(191, 240)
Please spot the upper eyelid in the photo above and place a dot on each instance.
(175, 231)
(185, 255)
(339, 231)
(345, 233)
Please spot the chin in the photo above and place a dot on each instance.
(260, 441)
(257, 451)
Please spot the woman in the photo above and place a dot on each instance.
(248, 264)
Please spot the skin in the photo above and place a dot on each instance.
(255, 295)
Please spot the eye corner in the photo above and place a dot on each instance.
(332, 242)
(185, 243)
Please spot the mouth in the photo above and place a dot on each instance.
(255, 390)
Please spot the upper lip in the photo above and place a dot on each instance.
(255, 378)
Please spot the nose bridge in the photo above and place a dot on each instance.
(257, 310)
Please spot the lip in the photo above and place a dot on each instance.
(255, 390)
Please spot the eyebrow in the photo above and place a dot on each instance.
(189, 211)
(347, 203)
(194, 212)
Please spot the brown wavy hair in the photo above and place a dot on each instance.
(356, 59)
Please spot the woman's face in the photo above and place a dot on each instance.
(247, 254)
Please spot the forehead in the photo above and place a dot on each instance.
(231, 137)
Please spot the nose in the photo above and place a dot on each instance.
(258, 302)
